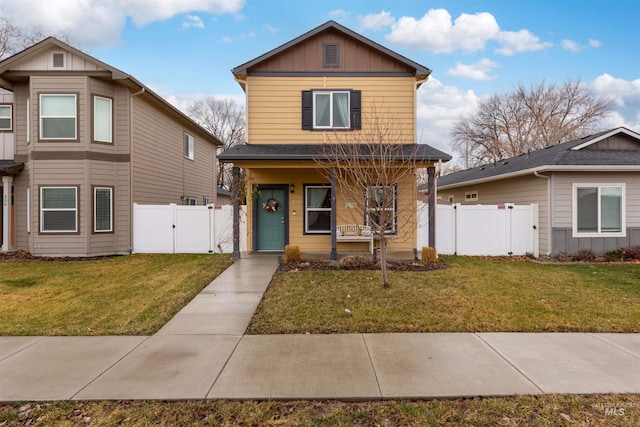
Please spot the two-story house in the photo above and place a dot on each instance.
(299, 96)
(80, 142)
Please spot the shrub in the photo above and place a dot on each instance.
(291, 254)
(354, 261)
(632, 252)
(615, 255)
(428, 255)
(561, 256)
(585, 255)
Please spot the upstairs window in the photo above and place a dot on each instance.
(58, 116)
(102, 119)
(598, 210)
(188, 146)
(6, 117)
(338, 109)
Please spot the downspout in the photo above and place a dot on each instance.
(140, 92)
(549, 209)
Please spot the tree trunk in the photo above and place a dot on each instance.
(383, 261)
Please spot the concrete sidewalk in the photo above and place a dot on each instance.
(202, 354)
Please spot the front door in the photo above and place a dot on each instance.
(271, 218)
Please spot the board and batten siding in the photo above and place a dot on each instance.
(562, 224)
(161, 173)
(275, 105)
(44, 62)
(520, 191)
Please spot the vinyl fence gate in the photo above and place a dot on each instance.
(493, 230)
(185, 229)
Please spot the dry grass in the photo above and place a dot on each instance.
(128, 295)
(547, 410)
(471, 295)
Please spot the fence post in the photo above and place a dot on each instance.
(431, 183)
(236, 213)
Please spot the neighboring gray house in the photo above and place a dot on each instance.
(80, 142)
(587, 190)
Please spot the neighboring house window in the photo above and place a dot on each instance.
(58, 116)
(188, 146)
(331, 109)
(102, 209)
(381, 207)
(6, 117)
(599, 210)
(330, 55)
(317, 212)
(471, 196)
(206, 201)
(58, 209)
(452, 199)
(102, 119)
(189, 201)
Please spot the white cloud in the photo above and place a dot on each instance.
(101, 21)
(436, 32)
(570, 45)
(439, 107)
(339, 15)
(192, 21)
(626, 95)
(376, 22)
(479, 71)
(270, 28)
(594, 43)
(513, 42)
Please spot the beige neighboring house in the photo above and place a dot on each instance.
(80, 142)
(587, 190)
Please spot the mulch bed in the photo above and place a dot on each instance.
(21, 255)
(318, 264)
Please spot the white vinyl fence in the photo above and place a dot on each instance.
(185, 229)
(495, 230)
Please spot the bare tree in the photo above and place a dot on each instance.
(13, 39)
(225, 119)
(529, 118)
(371, 166)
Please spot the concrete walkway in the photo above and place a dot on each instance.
(202, 354)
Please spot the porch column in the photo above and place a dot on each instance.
(334, 221)
(431, 184)
(236, 212)
(6, 212)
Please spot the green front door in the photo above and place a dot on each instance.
(272, 212)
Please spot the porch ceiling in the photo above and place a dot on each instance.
(9, 167)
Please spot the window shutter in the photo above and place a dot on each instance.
(356, 110)
(307, 110)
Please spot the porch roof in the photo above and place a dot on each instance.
(9, 167)
(265, 152)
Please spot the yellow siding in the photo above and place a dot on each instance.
(275, 105)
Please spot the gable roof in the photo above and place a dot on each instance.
(419, 69)
(103, 70)
(567, 156)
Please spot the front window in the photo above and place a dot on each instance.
(188, 146)
(58, 116)
(6, 118)
(58, 209)
(317, 209)
(102, 119)
(381, 208)
(331, 110)
(598, 210)
(102, 209)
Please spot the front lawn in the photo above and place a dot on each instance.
(471, 295)
(126, 295)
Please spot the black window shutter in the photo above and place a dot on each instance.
(356, 110)
(307, 110)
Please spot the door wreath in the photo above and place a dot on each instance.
(271, 205)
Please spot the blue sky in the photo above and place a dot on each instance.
(184, 49)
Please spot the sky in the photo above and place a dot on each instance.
(184, 49)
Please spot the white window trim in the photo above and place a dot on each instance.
(574, 210)
(75, 117)
(394, 228)
(28, 120)
(28, 210)
(189, 201)
(10, 128)
(95, 209)
(331, 93)
(307, 210)
(42, 230)
(189, 146)
(95, 119)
